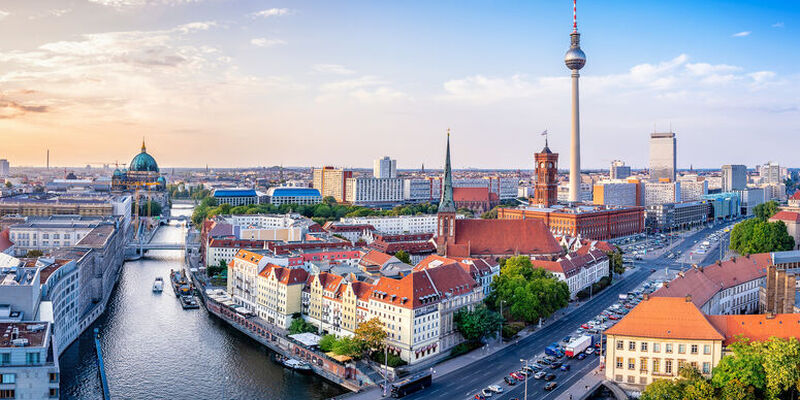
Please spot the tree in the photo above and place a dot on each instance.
(299, 325)
(491, 214)
(530, 293)
(782, 366)
(759, 236)
(615, 263)
(347, 346)
(477, 324)
(736, 390)
(403, 256)
(743, 365)
(663, 389)
(9, 184)
(370, 334)
(34, 254)
(766, 210)
(213, 270)
(327, 342)
(698, 389)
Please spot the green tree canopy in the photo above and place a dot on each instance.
(759, 236)
(326, 343)
(299, 325)
(529, 293)
(766, 210)
(477, 324)
(403, 256)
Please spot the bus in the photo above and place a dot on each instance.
(411, 384)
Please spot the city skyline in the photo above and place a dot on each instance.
(199, 78)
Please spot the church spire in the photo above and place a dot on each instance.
(446, 204)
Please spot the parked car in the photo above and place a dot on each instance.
(539, 375)
(566, 339)
(496, 389)
(549, 377)
(510, 381)
(580, 356)
(555, 365)
(550, 386)
(487, 392)
(590, 351)
(564, 367)
(479, 397)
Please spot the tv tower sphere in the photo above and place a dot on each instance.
(575, 57)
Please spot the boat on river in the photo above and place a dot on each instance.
(293, 363)
(183, 289)
(158, 285)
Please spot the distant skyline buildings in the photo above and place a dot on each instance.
(384, 168)
(663, 156)
(619, 170)
(734, 177)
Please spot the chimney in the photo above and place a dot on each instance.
(646, 297)
(15, 333)
(688, 298)
(666, 285)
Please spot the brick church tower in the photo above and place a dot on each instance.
(446, 217)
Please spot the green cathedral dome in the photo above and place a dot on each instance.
(143, 162)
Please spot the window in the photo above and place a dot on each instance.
(656, 347)
(7, 394)
(694, 349)
(668, 367)
(631, 379)
(8, 378)
(668, 348)
(681, 349)
(632, 346)
(620, 361)
(620, 345)
(5, 358)
(707, 349)
(32, 358)
(643, 380)
(54, 393)
(706, 367)
(656, 365)
(643, 365)
(644, 346)
(631, 363)
(693, 364)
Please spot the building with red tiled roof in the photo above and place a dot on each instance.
(657, 338)
(242, 278)
(794, 200)
(661, 334)
(726, 287)
(477, 199)
(578, 270)
(792, 221)
(279, 294)
(479, 269)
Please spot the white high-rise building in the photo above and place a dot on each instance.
(663, 156)
(770, 173)
(662, 193)
(734, 177)
(619, 170)
(384, 168)
(4, 168)
(374, 191)
(693, 187)
(615, 193)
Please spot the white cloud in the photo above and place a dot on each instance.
(55, 12)
(332, 69)
(127, 4)
(195, 27)
(264, 42)
(742, 34)
(4, 14)
(272, 12)
(364, 89)
(777, 25)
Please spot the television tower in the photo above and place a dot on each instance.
(575, 59)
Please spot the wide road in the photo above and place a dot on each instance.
(469, 380)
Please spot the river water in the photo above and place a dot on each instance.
(154, 349)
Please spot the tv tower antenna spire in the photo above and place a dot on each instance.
(574, 15)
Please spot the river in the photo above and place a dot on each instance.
(154, 349)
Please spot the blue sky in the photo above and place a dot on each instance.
(344, 82)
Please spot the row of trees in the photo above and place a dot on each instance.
(758, 235)
(328, 210)
(196, 192)
(753, 370)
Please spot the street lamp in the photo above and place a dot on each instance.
(525, 367)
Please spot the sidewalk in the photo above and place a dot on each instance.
(459, 362)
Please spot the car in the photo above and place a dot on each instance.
(487, 392)
(550, 377)
(564, 367)
(523, 372)
(518, 376)
(585, 326)
(555, 365)
(528, 368)
(580, 356)
(566, 339)
(539, 375)
(590, 351)
(550, 386)
(613, 317)
(536, 367)
(479, 397)
(495, 388)
(510, 381)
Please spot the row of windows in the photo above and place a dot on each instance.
(668, 347)
(656, 363)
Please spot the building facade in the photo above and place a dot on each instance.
(662, 193)
(331, 182)
(237, 197)
(546, 171)
(374, 191)
(293, 195)
(616, 193)
(619, 170)
(662, 217)
(663, 156)
(734, 177)
(590, 222)
(384, 168)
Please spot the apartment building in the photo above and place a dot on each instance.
(279, 294)
(331, 182)
(28, 367)
(243, 278)
(52, 232)
(374, 191)
(402, 224)
(579, 271)
(662, 192)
